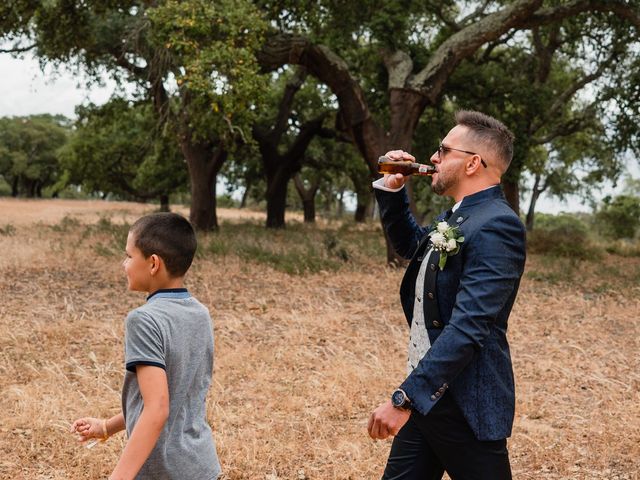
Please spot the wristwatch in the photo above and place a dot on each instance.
(399, 399)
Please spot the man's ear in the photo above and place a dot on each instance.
(473, 164)
(155, 263)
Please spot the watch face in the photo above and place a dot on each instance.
(397, 398)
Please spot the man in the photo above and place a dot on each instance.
(455, 409)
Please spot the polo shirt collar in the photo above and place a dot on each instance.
(169, 293)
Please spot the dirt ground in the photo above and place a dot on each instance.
(301, 361)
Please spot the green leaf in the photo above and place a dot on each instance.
(443, 260)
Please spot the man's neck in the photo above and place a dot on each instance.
(458, 196)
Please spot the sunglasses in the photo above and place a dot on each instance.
(442, 149)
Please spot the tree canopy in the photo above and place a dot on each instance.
(119, 148)
(29, 152)
(218, 76)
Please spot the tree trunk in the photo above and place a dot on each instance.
(340, 204)
(276, 199)
(371, 208)
(535, 195)
(245, 195)
(308, 197)
(309, 206)
(204, 163)
(164, 203)
(512, 194)
(364, 199)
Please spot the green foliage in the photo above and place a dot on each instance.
(29, 149)
(65, 225)
(117, 148)
(562, 236)
(619, 217)
(113, 235)
(211, 46)
(107, 238)
(301, 249)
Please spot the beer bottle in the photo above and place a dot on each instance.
(386, 165)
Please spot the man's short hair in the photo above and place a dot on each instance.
(168, 235)
(489, 132)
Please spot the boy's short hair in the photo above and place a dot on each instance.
(489, 131)
(168, 235)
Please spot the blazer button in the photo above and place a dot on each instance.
(430, 295)
(433, 397)
(441, 389)
(437, 394)
(432, 267)
(445, 385)
(436, 323)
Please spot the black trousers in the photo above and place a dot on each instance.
(427, 446)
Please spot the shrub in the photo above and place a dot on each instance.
(561, 236)
(619, 217)
(8, 230)
(624, 248)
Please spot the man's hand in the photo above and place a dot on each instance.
(397, 180)
(387, 420)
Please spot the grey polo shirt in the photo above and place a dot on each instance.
(173, 331)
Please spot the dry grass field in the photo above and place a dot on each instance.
(301, 359)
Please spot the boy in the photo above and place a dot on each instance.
(169, 362)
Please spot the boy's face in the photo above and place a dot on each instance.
(137, 268)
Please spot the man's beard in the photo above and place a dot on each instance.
(444, 182)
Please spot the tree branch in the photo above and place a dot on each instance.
(444, 18)
(399, 66)
(303, 192)
(286, 103)
(322, 63)
(18, 49)
(486, 55)
(553, 14)
(567, 128)
(431, 80)
(307, 132)
(546, 52)
(473, 16)
(570, 91)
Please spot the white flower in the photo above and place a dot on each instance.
(446, 239)
(442, 227)
(438, 239)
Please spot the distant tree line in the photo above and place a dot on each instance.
(287, 98)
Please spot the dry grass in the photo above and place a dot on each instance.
(301, 360)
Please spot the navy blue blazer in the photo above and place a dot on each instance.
(467, 307)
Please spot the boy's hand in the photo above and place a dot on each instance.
(88, 428)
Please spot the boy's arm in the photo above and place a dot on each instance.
(115, 424)
(155, 396)
(90, 427)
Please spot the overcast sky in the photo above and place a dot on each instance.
(26, 90)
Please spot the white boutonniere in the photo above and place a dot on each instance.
(446, 240)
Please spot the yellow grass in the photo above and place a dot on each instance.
(300, 360)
